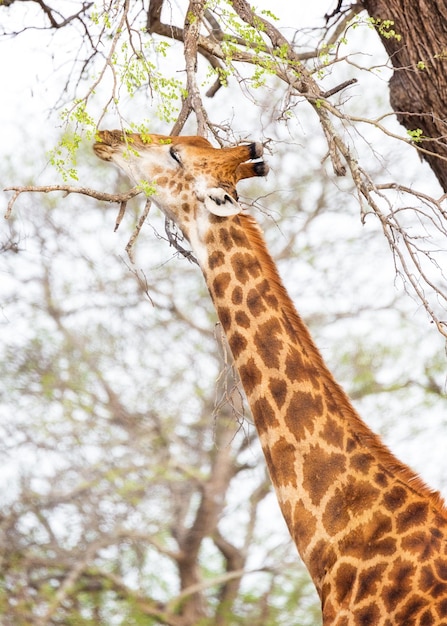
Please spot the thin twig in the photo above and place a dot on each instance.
(174, 238)
(136, 232)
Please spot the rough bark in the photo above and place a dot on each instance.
(418, 88)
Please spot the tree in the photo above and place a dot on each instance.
(417, 86)
(121, 474)
(135, 500)
(127, 48)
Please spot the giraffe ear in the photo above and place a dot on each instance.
(220, 203)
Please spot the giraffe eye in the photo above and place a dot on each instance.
(174, 155)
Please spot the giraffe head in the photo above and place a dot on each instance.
(190, 177)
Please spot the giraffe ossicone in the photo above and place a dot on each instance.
(372, 535)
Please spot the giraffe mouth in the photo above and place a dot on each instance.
(103, 151)
(108, 141)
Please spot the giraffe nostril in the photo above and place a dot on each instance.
(221, 199)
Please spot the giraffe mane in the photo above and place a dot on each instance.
(359, 429)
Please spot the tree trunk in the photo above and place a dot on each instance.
(418, 87)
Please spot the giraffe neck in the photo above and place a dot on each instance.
(327, 467)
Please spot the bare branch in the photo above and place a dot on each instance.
(338, 88)
(67, 189)
(174, 238)
(49, 12)
(193, 20)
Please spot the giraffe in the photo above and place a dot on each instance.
(372, 535)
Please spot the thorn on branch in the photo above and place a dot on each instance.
(120, 215)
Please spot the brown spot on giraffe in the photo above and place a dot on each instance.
(395, 498)
(322, 559)
(302, 413)
(333, 433)
(265, 415)
(237, 295)
(442, 608)
(251, 377)
(242, 319)
(441, 567)
(428, 619)
(216, 259)
(255, 304)
(268, 296)
(268, 343)
(362, 462)
(368, 615)
(372, 535)
(320, 469)
(336, 517)
(402, 572)
(245, 266)
(282, 454)
(371, 539)
(299, 369)
(414, 515)
(351, 445)
(238, 238)
(225, 317)
(220, 284)
(345, 578)
(225, 239)
(278, 389)
(210, 238)
(381, 479)
(237, 343)
(348, 502)
(369, 581)
(304, 526)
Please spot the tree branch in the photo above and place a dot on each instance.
(67, 189)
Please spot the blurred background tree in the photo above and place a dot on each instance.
(133, 488)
